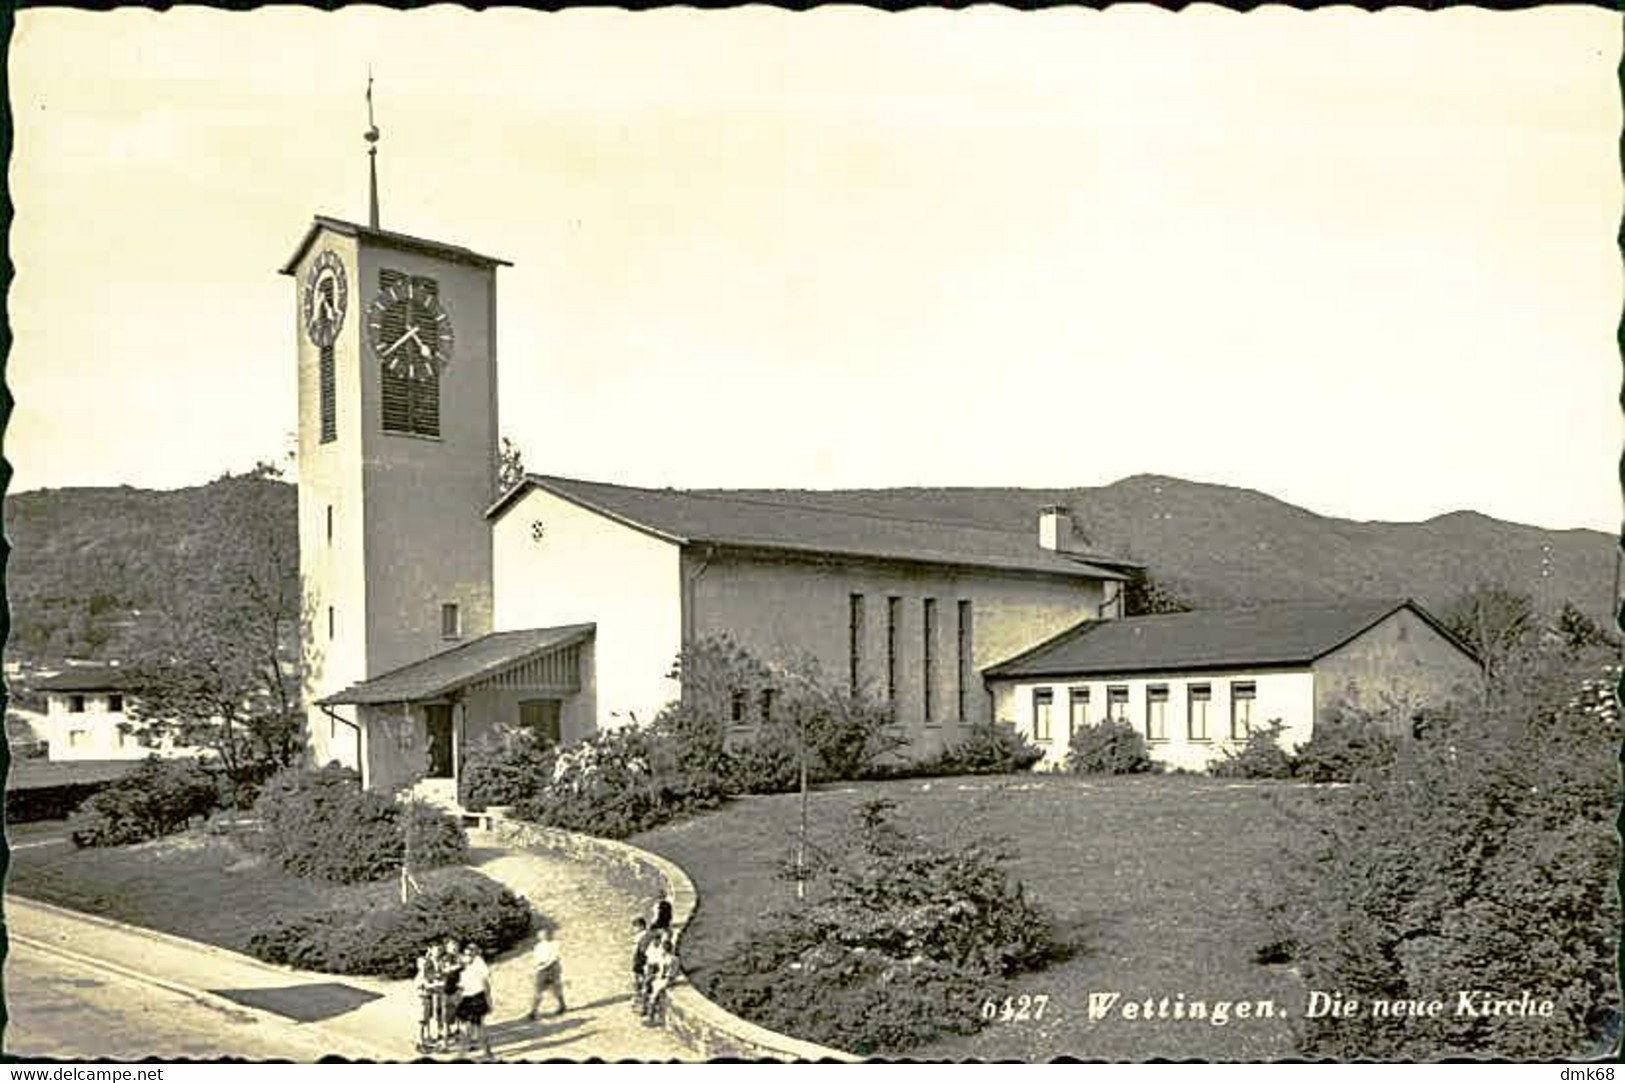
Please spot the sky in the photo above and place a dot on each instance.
(1362, 262)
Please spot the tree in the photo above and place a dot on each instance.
(510, 466)
(223, 671)
(1495, 622)
(1579, 632)
(1145, 594)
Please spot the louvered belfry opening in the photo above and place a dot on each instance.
(329, 393)
(410, 405)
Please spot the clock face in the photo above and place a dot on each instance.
(325, 297)
(410, 332)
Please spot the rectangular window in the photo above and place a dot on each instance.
(1242, 695)
(767, 706)
(854, 644)
(451, 621)
(329, 524)
(1043, 713)
(329, 622)
(76, 738)
(115, 703)
(541, 717)
(329, 396)
(1117, 702)
(736, 707)
(894, 621)
(76, 704)
(1077, 711)
(1156, 712)
(1201, 698)
(928, 613)
(967, 667)
(411, 404)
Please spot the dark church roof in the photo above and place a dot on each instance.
(462, 665)
(758, 523)
(390, 239)
(1287, 634)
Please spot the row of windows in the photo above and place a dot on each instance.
(115, 703)
(965, 667)
(411, 404)
(1198, 710)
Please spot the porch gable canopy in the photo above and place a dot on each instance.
(530, 658)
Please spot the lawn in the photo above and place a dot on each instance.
(198, 885)
(1155, 880)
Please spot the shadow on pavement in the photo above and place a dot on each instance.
(303, 1003)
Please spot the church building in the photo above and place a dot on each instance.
(437, 609)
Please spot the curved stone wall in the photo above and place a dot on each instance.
(707, 1028)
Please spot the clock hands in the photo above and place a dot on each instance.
(411, 333)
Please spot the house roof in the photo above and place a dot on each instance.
(96, 678)
(462, 665)
(1286, 634)
(758, 523)
(390, 239)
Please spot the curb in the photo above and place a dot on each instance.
(706, 1027)
(339, 1045)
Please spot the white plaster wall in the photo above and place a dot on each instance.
(1284, 695)
(588, 568)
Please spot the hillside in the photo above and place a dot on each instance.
(86, 564)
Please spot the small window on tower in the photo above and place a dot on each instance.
(330, 524)
(451, 624)
(329, 622)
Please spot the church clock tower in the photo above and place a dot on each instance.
(397, 457)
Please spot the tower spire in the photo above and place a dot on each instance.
(372, 158)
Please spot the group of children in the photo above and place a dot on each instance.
(654, 965)
(454, 990)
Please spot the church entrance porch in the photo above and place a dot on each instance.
(420, 722)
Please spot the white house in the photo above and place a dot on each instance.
(1196, 683)
(87, 717)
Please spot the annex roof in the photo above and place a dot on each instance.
(1294, 633)
(757, 523)
(388, 238)
(94, 678)
(462, 665)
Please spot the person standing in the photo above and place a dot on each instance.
(640, 956)
(660, 968)
(428, 987)
(549, 971)
(474, 1003)
(451, 969)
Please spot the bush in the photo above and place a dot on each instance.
(507, 768)
(1108, 748)
(617, 783)
(321, 824)
(771, 763)
(1343, 749)
(160, 797)
(1485, 859)
(900, 946)
(1261, 756)
(988, 749)
(386, 942)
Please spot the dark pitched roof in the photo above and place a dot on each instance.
(1268, 635)
(96, 678)
(462, 665)
(757, 523)
(455, 253)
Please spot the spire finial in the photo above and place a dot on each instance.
(372, 157)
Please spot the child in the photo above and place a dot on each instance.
(474, 983)
(549, 971)
(451, 969)
(660, 966)
(640, 955)
(429, 988)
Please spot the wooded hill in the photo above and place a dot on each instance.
(87, 564)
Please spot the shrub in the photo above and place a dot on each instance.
(1261, 755)
(1485, 859)
(987, 749)
(1108, 748)
(159, 797)
(899, 947)
(506, 768)
(1343, 749)
(321, 824)
(617, 783)
(770, 763)
(387, 941)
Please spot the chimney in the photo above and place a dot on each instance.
(1055, 528)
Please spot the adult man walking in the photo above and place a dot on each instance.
(549, 971)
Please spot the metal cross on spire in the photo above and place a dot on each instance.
(372, 157)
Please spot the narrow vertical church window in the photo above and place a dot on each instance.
(929, 633)
(329, 396)
(894, 620)
(330, 524)
(966, 667)
(451, 625)
(854, 644)
(411, 404)
(329, 622)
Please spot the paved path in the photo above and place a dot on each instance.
(82, 986)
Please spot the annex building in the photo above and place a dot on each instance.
(438, 610)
